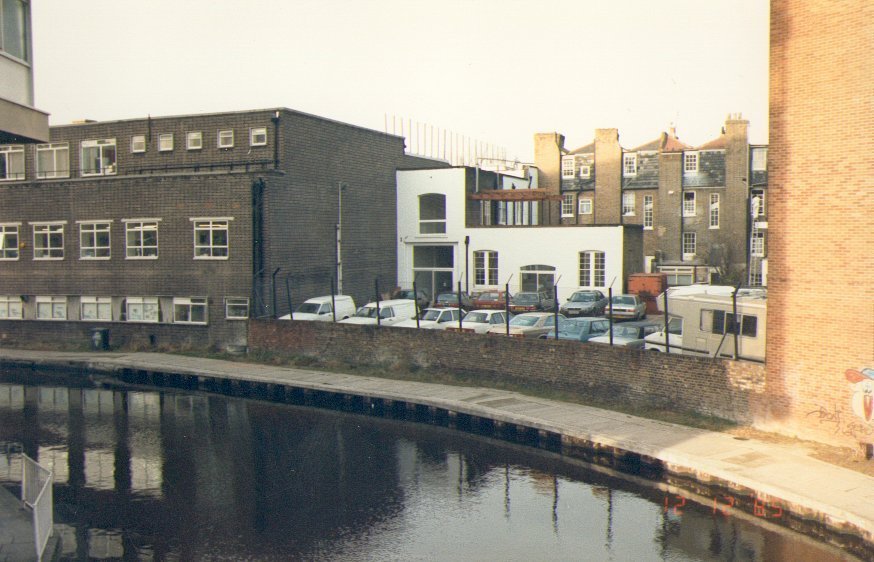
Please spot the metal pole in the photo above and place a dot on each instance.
(467, 264)
(667, 325)
(416, 302)
(736, 329)
(507, 306)
(288, 298)
(610, 301)
(333, 303)
(555, 306)
(340, 187)
(273, 290)
(459, 306)
(376, 288)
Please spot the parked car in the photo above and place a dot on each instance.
(434, 319)
(582, 329)
(421, 296)
(630, 334)
(390, 312)
(490, 300)
(530, 301)
(478, 321)
(530, 325)
(584, 303)
(627, 307)
(448, 300)
(319, 309)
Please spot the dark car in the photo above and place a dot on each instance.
(584, 303)
(447, 300)
(422, 298)
(490, 300)
(583, 329)
(529, 301)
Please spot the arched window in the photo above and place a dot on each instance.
(432, 213)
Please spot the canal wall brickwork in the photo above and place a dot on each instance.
(611, 375)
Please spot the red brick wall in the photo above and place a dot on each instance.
(726, 389)
(821, 197)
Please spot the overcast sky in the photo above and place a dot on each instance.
(494, 70)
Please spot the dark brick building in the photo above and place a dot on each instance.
(177, 229)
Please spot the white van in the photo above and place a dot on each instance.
(390, 312)
(320, 309)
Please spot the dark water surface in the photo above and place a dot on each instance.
(171, 476)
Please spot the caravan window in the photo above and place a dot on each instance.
(721, 322)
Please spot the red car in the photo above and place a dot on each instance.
(490, 300)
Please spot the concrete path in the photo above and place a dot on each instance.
(788, 475)
(16, 529)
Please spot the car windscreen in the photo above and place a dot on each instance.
(623, 300)
(366, 312)
(524, 321)
(525, 298)
(477, 317)
(582, 297)
(489, 297)
(309, 308)
(630, 332)
(431, 315)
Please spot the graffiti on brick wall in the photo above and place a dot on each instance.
(860, 424)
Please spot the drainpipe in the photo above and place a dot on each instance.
(275, 120)
(467, 264)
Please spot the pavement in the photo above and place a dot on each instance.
(16, 529)
(786, 479)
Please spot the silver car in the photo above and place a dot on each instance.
(530, 325)
(626, 307)
(630, 334)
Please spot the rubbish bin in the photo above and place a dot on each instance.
(100, 339)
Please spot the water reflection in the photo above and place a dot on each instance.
(166, 476)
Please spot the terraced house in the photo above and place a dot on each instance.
(175, 230)
(702, 208)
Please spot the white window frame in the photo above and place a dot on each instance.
(236, 304)
(94, 228)
(690, 207)
(138, 144)
(45, 238)
(690, 162)
(567, 205)
(759, 159)
(225, 138)
(760, 193)
(690, 245)
(102, 169)
(485, 268)
(629, 164)
(628, 201)
(757, 243)
(165, 142)
(648, 212)
(12, 156)
(95, 309)
(11, 307)
(10, 237)
(592, 268)
(568, 167)
(142, 309)
(211, 250)
(51, 307)
(60, 152)
(139, 251)
(584, 205)
(188, 306)
(258, 136)
(585, 171)
(714, 211)
(194, 140)
(485, 212)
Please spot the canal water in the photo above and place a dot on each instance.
(174, 476)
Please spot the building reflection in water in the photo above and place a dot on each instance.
(152, 476)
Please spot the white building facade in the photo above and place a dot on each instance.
(444, 239)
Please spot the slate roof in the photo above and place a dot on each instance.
(664, 143)
(588, 149)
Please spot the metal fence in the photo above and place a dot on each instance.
(36, 493)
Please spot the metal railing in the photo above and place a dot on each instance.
(36, 493)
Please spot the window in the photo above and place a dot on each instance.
(689, 243)
(226, 138)
(12, 162)
(165, 142)
(94, 240)
(757, 244)
(142, 309)
(189, 310)
(714, 210)
(585, 171)
(98, 158)
(51, 308)
(53, 160)
(96, 308)
(628, 204)
(690, 163)
(194, 140)
(592, 269)
(760, 159)
(14, 26)
(648, 212)
(48, 241)
(485, 266)
(138, 143)
(9, 242)
(485, 212)
(567, 205)
(236, 308)
(432, 213)
(141, 239)
(258, 136)
(629, 164)
(689, 204)
(567, 167)
(10, 307)
(721, 322)
(585, 207)
(210, 238)
(757, 203)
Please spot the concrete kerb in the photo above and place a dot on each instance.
(670, 449)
